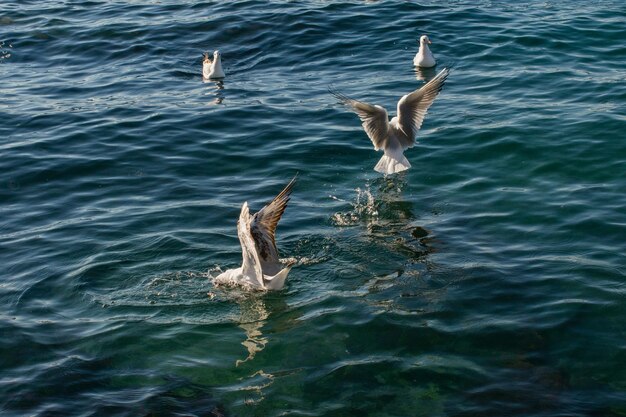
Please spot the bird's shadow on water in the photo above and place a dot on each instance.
(380, 206)
(398, 223)
(395, 250)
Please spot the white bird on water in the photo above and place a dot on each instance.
(261, 268)
(395, 136)
(212, 68)
(424, 58)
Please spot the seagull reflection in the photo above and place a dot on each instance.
(255, 309)
(217, 91)
(425, 74)
(253, 317)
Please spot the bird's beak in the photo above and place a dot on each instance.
(429, 42)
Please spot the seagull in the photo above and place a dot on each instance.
(424, 58)
(212, 68)
(261, 269)
(395, 136)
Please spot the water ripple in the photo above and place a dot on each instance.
(470, 285)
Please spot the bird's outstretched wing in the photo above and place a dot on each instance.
(263, 229)
(251, 265)
(413, 107)
(375, 119)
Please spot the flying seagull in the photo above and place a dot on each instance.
(261, 268)
(394, 136)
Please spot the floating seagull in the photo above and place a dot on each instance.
(424, 58)
(261, 269)
(212, 68)
(395, 136)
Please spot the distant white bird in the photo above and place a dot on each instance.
(212, 68)
(261, 268)
(395, 136)
(424, 58)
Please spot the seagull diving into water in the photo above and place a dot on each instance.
(261, 268)
(396, 135)
(212, 68)
(424, 58)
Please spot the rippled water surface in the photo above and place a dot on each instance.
(488, 280)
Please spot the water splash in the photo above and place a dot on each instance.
(364, 208)
(181, 288)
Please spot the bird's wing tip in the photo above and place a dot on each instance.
(339, 96)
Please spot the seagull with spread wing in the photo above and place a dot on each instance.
(261, 268)
(394, 136)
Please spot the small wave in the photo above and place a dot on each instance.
(5, 50)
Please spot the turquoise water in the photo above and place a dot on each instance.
(488, 280)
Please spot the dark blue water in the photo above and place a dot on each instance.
(488, 280)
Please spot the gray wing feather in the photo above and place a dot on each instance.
(374, 119)
(263, 229)
(251, 265)
(412, 108)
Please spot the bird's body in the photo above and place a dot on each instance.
(424, 57)
(261, 268)
(394, 136)
(212, 68)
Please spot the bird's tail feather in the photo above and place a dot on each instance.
(390, 165)
(277, 281)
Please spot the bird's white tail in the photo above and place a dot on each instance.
(277, 282)
(391, 165)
